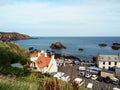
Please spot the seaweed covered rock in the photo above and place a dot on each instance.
(116, 46)
(80, 49)
(57, 45)
(102, 45)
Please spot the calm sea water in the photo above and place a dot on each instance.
(89, 44)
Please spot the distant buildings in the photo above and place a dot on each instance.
(108, 61)
(43, 63)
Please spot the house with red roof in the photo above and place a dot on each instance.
(43, 62)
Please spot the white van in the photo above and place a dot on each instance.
(115, 88)
(90, 85)
(82, 68)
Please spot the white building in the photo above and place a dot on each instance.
(44, 63)
(108, 61)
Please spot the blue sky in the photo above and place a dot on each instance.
(61, 17)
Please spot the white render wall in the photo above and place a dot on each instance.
(52, 67)
(33, 58)
(106, 65)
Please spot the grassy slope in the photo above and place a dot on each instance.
(33, 83)
(11, 52)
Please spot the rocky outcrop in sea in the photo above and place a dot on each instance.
(116, 46)
(8, 36)
(57, 45)
(102, 45)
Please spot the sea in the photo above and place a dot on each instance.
(89, 44)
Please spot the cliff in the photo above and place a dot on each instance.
(7, 36)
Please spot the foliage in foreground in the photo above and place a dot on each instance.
(27, 83)
(12, 79)
(11, 52)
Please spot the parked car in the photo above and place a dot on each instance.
(59, 75)
(115, 88)
(94, 77)
(82, 73)
(107, 79)
(65, 78)
(99, 78)
(90, 85)
(82, 68)
(115, 81)
(88, 75)
(79, 81)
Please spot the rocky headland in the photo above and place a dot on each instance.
(8, 36)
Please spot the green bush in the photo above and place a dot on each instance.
(11, 52)
(8, 70)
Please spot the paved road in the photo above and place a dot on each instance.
(73, 72)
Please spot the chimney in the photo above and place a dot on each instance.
(118, 56)
(38, 54)
(42, 51)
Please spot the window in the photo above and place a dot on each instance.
(39, 62)
(109, 68)
(103, 63)
(115, 58)
(109, 63)
(115, 63)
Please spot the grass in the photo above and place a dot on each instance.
(10, 52)
(32, 82)
(12, 83)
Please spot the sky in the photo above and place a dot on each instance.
(61, 17)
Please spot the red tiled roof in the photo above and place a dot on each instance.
(42, 61)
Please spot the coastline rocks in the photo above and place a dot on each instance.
(57, 45)
(116, 43)
(102, 45)
(67, 57)
(116, 46)
(71, 57)
(80, 49)
(8, 36)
